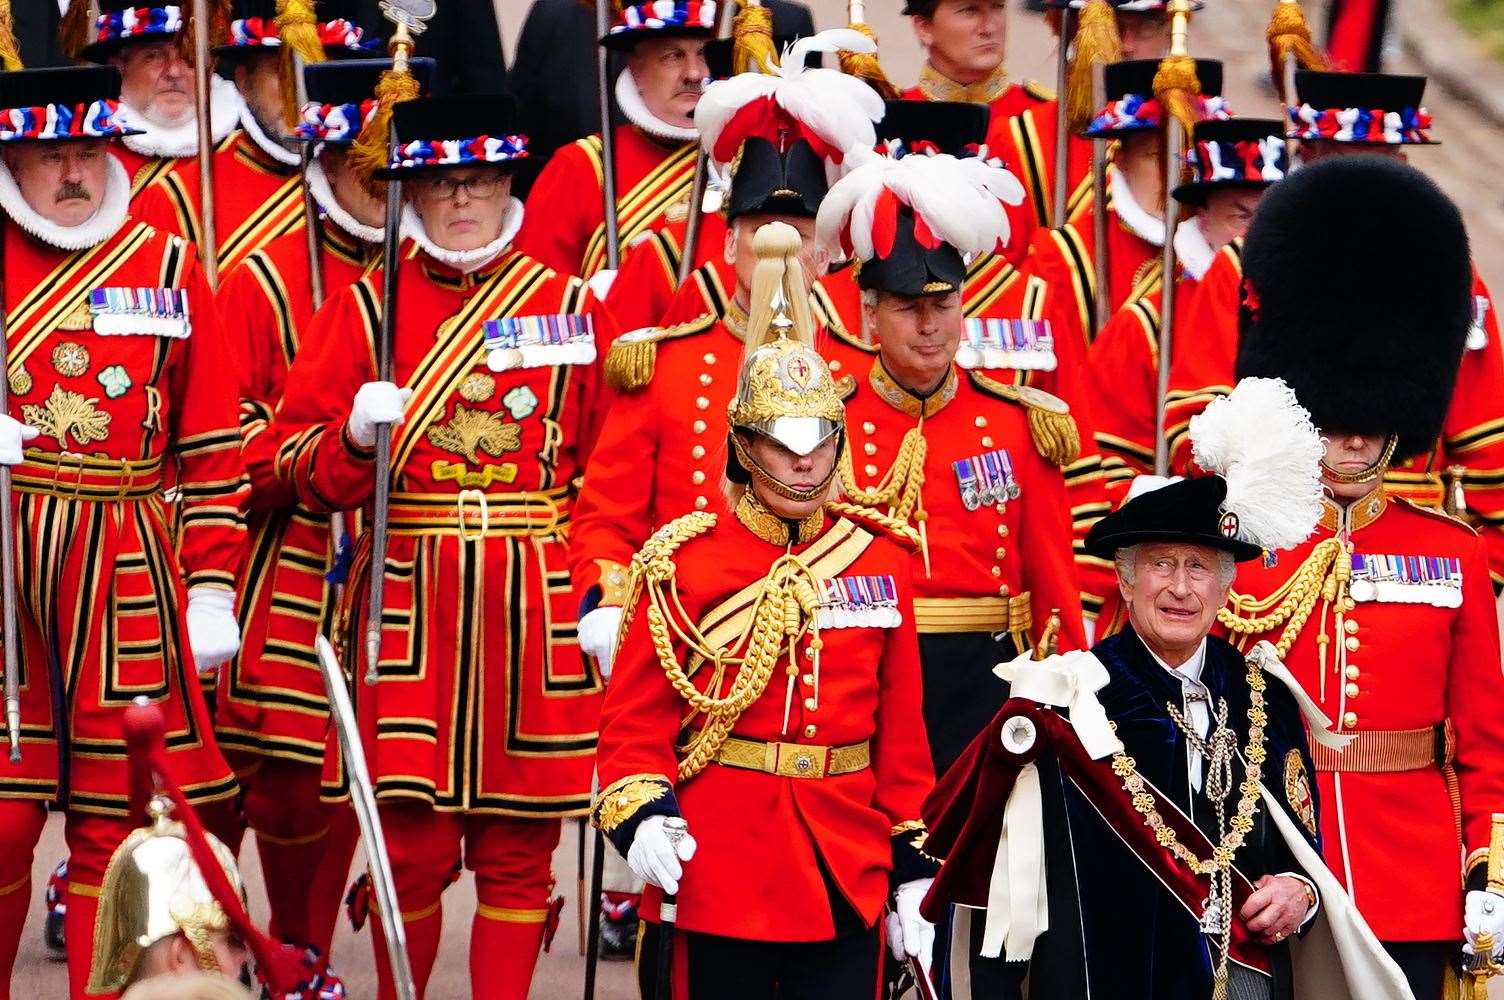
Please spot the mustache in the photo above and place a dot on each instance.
(71, 190)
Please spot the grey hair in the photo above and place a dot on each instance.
(1125, 561)
(869, 298)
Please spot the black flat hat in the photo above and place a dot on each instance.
(1328, 93)
(427, 128)
(1255, 145)
(1189, 511)
(771, 181)
(153, 29)
(951, 126)
(64, 90)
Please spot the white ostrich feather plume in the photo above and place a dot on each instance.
(1261, 440)
(840, 109)
(961, 200)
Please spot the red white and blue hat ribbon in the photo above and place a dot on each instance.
(253, 32)
(96, 120)
(1365, 125)
(338, 123)
(138, 23)
(1139, 111)
(1248, 160)
(459, 152)
(660, 15)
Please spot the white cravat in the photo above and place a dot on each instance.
(1195, 704)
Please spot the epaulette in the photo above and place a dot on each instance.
(1038, 91)
(898, 530)
(633, 355)
(1439, 515)
(1050, 422)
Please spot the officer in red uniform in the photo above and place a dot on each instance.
(480, 730)
(271, 715)
(144, 42)
(1347, 114)
(804, 782)
(973, 464)
(1232, 164)
(1385, 615)
(116, 368)
(257, 197)
(963, 41)
(653, 153)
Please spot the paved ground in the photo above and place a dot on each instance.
(1468, 165)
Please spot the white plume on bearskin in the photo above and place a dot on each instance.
(959, 201)
(831, 108)
(1261, 440)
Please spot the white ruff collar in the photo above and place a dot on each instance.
(174, 141)
(464, 261)
(1131, 213)
(268, 145)
(1192, 249)
(323, 195)
(104, 223)
(629, 99)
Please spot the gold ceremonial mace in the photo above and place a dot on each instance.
(208, 245)
(411, 18)
(1176, 79)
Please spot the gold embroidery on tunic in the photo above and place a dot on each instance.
(470, 432)
(68, 413)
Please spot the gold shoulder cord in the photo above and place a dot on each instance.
(783, 612)
(901, 489)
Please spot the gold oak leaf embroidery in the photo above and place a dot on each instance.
(67, 413)
(470, 432)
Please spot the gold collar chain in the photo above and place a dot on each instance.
(905, 401)
(773, 529)
(938, 87)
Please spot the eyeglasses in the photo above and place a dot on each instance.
(444, 187)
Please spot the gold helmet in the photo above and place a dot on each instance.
(785, 391)
(153, 890)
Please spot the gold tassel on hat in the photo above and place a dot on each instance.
(76, 27)
(753, 49)
(10, 52)
(371, 150)
(1289, 34)
(867, 67)
(1177, 88)
(1096, 43)
(298, 27)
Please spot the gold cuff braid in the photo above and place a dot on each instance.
(620, 800)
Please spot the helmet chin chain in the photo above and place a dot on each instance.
(772, 483)
(1368, 475)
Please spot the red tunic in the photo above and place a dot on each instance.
(1025, 142)
(256, 200)
(565, 223)
(484, 704)
(101, 577)
(754, 829)
(272, 699)
(663, 450)
(982, 556)
(1392, 837)
(1012, 99)
(1472, 435)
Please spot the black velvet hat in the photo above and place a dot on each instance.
(1131, 104)
(913, 268)
(1187, 510)
(253, 29)
(955, 127)
(342, 92)
(1379, 109)
(61, 104)
(766, 180)
(439, 133)
(1358, 293)
(1234, 153)
(125, 22)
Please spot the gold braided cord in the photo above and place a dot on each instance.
(1324, 574)
(889, 523)
(866, 66)
(902, 486)
(753, 49)
(1289, 35)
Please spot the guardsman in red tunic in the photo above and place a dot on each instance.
(116, 371)
(271, 715)
(654, 152)
(257, 197)
(481, 728)
(797, 765)
(963, 44)
(1385, 615)
(1025, 141)
(144, 42)
(1232, 164)
(971, 463)
(1350, 114)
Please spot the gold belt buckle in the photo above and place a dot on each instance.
(793, 760)
(485, 514)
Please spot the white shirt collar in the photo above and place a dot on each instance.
(1190, 670)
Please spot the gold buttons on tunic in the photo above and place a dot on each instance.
(868, 426)
(809, 704)
(835, 366)
(986, 441)
(1351, 672)
(1351, 625)
(1002, 531)
(997, 571)
(698, 451)
(999, 553)
(1352, 643)
(701, 403)
(705, 378)
(981, 421)
(1352, 690)
(709, 358)
(809, 732)
(699, 426)
(700, 503)
(870, 469)
(698, 478)
(808, 680)
(1350, 719)
(869, 448)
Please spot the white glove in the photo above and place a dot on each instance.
(597, 633)
(653, 859)
(1483, 911)
(213, 632)
(600, 283)
(376, 403)
(909, 934)
(13, 435)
